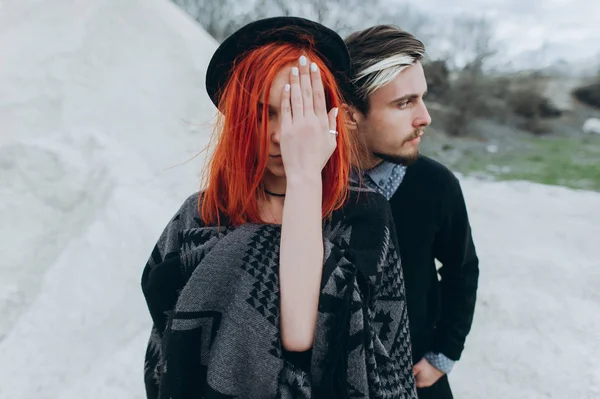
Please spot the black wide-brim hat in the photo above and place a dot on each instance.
(328, 45)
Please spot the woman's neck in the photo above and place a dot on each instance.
(271, 204)
(274, 186)
(271, 208)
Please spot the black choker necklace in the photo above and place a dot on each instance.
(273, 194)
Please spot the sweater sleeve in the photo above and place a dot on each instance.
(161, 282)
(389, 337)
(454, 248)
(390, 315)
(362, 309)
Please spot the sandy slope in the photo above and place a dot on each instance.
(103, 98)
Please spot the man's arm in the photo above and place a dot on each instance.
(454, 248)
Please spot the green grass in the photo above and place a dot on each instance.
(567, 161)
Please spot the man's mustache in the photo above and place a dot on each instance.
(417, 133)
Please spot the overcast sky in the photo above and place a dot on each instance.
(568, 29)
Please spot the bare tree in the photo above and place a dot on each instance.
(223, 17)
(469, 42)
(406, 17)
(340, 15)
(528, 100)
(471, 46)
(220, 18)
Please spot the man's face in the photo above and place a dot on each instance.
(397, 118)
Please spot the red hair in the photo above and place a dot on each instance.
(239, 160)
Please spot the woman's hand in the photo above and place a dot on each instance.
(306, 139)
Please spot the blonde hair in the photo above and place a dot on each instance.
(378, 55)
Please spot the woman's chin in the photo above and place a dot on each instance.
(276, 171)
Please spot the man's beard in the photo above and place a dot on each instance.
(402, 159)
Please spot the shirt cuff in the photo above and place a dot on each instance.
(440, 362)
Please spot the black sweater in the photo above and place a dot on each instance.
(432, 223)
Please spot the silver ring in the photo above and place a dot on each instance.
(334, 132)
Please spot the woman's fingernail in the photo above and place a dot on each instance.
(313, 67)
(295, 71)
(287, 87)
(335, 112)
(302, 60)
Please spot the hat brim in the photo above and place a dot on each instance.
(328, 44)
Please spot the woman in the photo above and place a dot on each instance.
(278, 280)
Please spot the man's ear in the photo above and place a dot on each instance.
(352, 116)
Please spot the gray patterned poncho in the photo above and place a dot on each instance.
(213, 294)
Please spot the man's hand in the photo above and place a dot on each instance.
(425, 374)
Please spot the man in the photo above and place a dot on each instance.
(387, 110)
